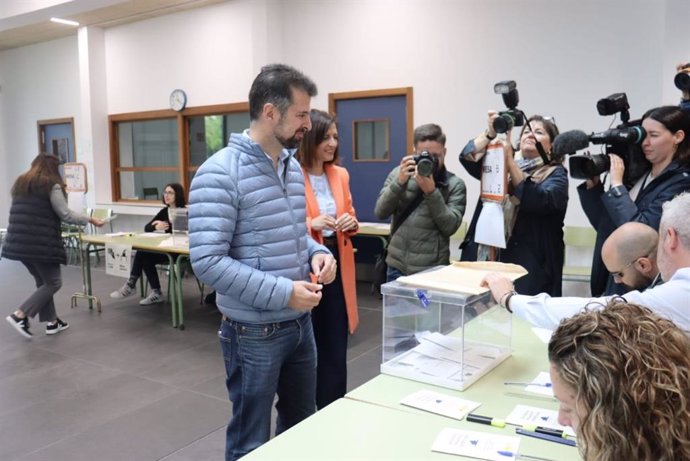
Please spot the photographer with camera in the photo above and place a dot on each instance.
(540, 191)
(682, 82)
(667, 148)
(427, 203)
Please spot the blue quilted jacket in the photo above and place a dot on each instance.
(247, 232)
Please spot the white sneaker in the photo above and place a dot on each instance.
(123, 292)
(153, 298)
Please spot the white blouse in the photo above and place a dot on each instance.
(324, 197)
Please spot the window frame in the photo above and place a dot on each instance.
(183, 168)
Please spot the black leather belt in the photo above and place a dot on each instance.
(282, 324)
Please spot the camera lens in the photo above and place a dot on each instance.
(425, 166)
(682, 80)
(503, 123)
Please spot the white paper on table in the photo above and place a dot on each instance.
(441, 404)
(429, 365)
(541, 385)
(490, 226)
(482, 445)
(523, 415)
(543, 334)
(150, 234)
(175, 242)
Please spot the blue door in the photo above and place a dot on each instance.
(366, 175)
(58, 139)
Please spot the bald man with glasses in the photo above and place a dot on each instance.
(633, 249)
(629, 255)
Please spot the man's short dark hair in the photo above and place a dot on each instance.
(274, 85)
(429, 132)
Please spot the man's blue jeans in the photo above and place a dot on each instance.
(260, 361)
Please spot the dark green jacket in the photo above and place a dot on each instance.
(423, 240)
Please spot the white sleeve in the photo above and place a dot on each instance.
(546, 312)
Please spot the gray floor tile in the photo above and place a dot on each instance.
(149, 433)
(124, 384)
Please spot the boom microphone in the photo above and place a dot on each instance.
(569, 142)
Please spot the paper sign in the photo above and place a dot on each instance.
(479, 445)
(441, 404)
(494, 173)
(524, 415)
(75, 177)
(491, 226)
(117, 259)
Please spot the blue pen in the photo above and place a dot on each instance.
(510, 454)
(548, 437)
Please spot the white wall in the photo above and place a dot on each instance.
(37, 82)
(564, 55)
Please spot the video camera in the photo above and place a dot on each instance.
(507, 119)
(427, 164)
(623, 141)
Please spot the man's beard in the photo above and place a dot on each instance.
(291, 142)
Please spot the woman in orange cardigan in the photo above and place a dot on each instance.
(331, 220)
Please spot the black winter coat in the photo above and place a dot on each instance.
(537, 239)
(34, 232)
(607, 211)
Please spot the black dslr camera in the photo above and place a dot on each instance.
(427, 164)
(624, 141)
(507, 119)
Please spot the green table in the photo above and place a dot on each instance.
(369, 423)
(148, 243)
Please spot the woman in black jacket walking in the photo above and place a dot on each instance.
(34, 237)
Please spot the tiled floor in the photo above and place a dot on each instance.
(124, 384)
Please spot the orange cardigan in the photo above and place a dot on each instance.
(339, 181)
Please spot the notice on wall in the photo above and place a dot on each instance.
(75, 177)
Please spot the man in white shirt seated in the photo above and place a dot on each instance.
(668, 300)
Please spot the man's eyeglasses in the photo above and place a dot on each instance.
(619, 274)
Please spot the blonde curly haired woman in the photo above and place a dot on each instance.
(622, 377)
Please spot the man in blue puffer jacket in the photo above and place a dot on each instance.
(249, 241)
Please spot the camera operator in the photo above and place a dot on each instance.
(667, 147)
(433, 200)
(541, 194)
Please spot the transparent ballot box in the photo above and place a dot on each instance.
(441, 337)
(179, 218)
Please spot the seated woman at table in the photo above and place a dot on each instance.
(144, 261)
(622, 377)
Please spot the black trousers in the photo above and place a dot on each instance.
(331, 332)
(146, 261)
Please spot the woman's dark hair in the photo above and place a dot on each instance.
(180, 199)
(41, 177)
(674, 120)
(551, 129)
(320, 123)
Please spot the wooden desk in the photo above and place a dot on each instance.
(369, 423)
(148, 243)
